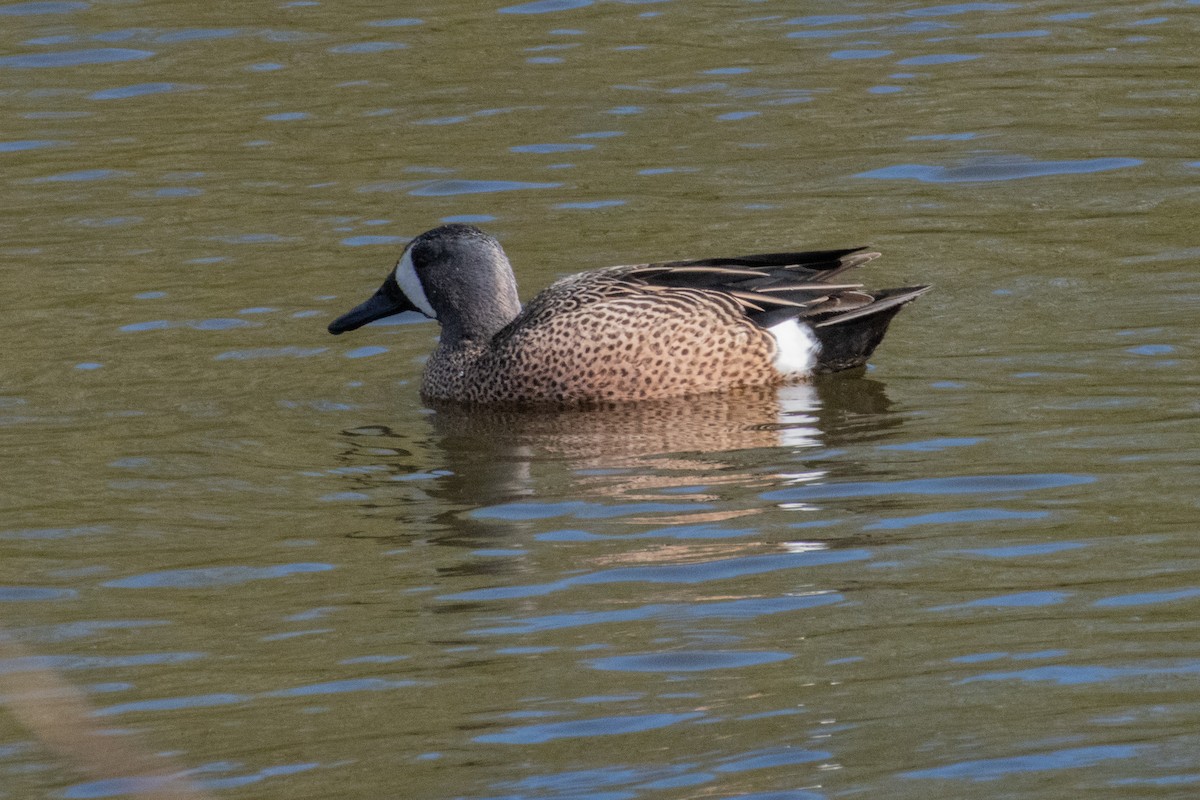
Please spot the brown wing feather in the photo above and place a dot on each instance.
(769, 288)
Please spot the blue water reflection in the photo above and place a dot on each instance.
(993, 768)
(1080, 674)
(981, 484)
(74, 58)
(600, 726)
(726, 610)
(30, 144)
(212, 577)
(958, 8)
(448, 188)
(34, 594)
(47, 7)
(678, 573)
(687, 661)
(997, 170)
(546, 6)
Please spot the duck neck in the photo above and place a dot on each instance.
(485, 307)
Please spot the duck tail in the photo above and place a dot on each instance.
(848, 339)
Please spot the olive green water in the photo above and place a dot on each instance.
(970, 572)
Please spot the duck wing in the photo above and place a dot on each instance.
(772, 288)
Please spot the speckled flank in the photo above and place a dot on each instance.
(637, 346)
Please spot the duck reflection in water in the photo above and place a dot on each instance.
(718, 450)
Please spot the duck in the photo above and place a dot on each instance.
(628, 333)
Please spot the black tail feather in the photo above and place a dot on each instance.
(883, 300)
(849, 339)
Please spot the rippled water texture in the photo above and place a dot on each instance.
(262, 563)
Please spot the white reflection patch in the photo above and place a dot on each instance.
(797, 404)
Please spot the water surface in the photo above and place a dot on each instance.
(968, 571)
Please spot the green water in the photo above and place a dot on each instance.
(969, 572)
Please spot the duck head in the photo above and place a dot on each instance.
(455, 274)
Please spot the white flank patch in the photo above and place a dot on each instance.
(410, 284)
(796, 347)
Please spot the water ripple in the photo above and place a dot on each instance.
(979, 484)
(988, 769)
(851, 55)
(958, 8)
(941, 58)
(825, 19)
(955, 517)
(35, 594)
(676, 573)
(36, 663)
(81, 175)
(579, 509)
(83, 629)
(551, 148)
(197, 35)
(771, 758)
(400, 22)
(174, 704)
(30, 9)
(934, 445)
(688, 661)
(1020, 551)
(1148, 598)
(367, 47)
(546, 6)
(1075, 675)
(339, 687)
(723, 609)
(74, 58)
(30, 144)
(55, 533)
(140, 90)
(590, 205)
(210, 577)
(600, 726)
(1035, 599)
(372, 240)
(257, 776)
(256, 353)
(999, 170)
(152, 785)
(456, 187)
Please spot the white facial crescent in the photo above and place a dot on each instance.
(410, 284)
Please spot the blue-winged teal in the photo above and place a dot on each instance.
(632, 332)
